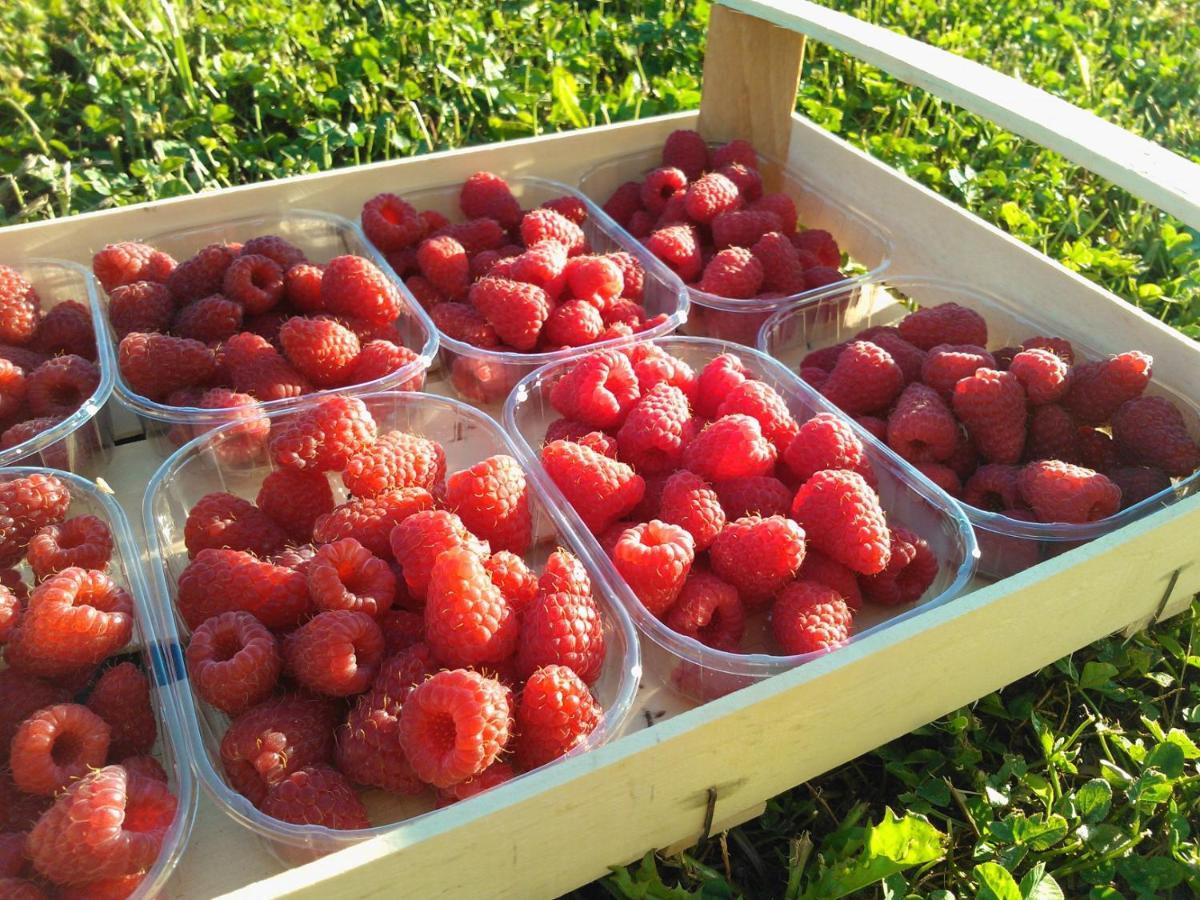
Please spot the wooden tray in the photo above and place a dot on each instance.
(690, 771)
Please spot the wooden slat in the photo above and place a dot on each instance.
(751, 72)
(1163, 178)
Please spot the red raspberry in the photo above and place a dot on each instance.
(454, 725)
(10, 615)
(1004, 357)
(486, 194)
(820, 244)
(943, 477)
(218, 581)
(255, 367)
(55, 455)
(690, 502)
(555, 713)
(155, 365)
(401, 627)
(396, 460)
(513, 578)
(654, 559)
(282, 251)
(992, 406)
(569, 207)
(233, 662)
(656, 431)
(391, 223)
(294, 499)
(758, 556)
(1044, 376)
(965, 457)
(736, 151)
(865, 379)
(910, 359)
(641, 223)
(1060, 492)
(946, 364)
(468, 621)
(743, 227)
(598, 391)
(1097, 450)
(564, 573)
(121, 698)
(444, 263)
(624, 202)
(108, 824)
(28, 505)
(476, 235)
(417, 541)
(202, 275)
(653, 365)
(316, 795)
(321, 350)
(633, 276)
(22, 357)
(21, 696)
(823, 358)
(596, 279)
(732, 272)
(674, 211)
(710, 611)
(337, 652)
(1138, 482)
(660, 185)
(747, 179)
(464, 323)
(685, 150)
(760, 495)
(1060, 347)
(716, 381)
(782, 268)
(784, 209)
(492, 499)
(12, 389)
(710, 195)
(600, 489)
(993, 487)
(731, 447)
(302, 287)
(826, 441)
(573, 324)
(909, 573)
(12, 855)
(354, 286)
(83, 541)
(842, 518)
(548, 225)
(1150, 431)
(256, 282)
(809, 617)
(762, 402)
(209, 320)
(493, 776)
(60, 386)
(543, 265)
(127, 262)
(1052, 434)
(74, 620)
(282, 735)
(324, 436)
(370, 520)
(921, 428)
(679, 247)
(378, 359)
(56, 745)
(65, 329)
(561, 628)
(516, 310)
(345, 575)
(820, 568)
(223, 520)
(946, 323)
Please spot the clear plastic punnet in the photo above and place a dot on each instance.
(1006, 545)
(321, 236)
(484, 377)
(468, 436)
(157, 646)
(81, 441)
(691, 668)
(865, 242)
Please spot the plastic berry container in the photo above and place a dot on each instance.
(81, 441)
(484, 377)
(867, 243)
(692, 669)
(155, 644)
(321, 236)
(1006, 545)
(467, 436)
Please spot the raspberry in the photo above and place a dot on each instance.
(548, 225)
(321, 350)
(316, 795)
(209, 320)
(686, 151)
(624, 202)
(555, 713)
(865, 379)
(569, 207)
(758, 556)
(763, 403)
(561, 628)
(943, 477)
(820, 245)
(28, 505)
(731, 447)
(600, 489)
(732, 272)
(747, 180)
(513, 578)
(56, 745)
(475, 235)
(736, 151)
(820, 568)
(909, 573)
(12, 855)
(656, 431)
(946, 364)
(294, 499)
(710, 195)
(965, 457)
(378, 359)
(396, 460)
(12, 389)
(654, 559)
(826, 441)
(910, 359)
(1060, 347)
(1060, 492)
(1097, 450)
(337, 652)
(454, 725)
(354, 286)
(345, 575)
(784, 209)
(563, 573)
(443, 261)
(282, 735)
(485, 194)
(1004, 357)
(1150, 431)
(653, 365)
(716, 381)
(464, 323)
(121, 698)
(256, 282)
(74, 620)
(992, 406)
(1052, 434)
(842, 518)
(468, 622)
(679, 247)
(155, 365)
(543, 265)
(946, 323)
(401, 627)
(1044, 376)
(67, 328)
(641, 223)
(124, 263)
(218, 581)
(391, 223)
(921, 428)
(493, 776)
(255, 367)
(743, 227)
(233, 662)
(993, 487)
(690, 502)
(283, 252)
(296, 558)
(60, 386)
(417, 541)
(302, 287)
(370, 520)
(21, 696)
(598, 391)
(23, 358)
(573, 324)
(223, 520)
(10, 615)
(83, 541)
(660, 185)
(710, 611)
(1138, 483)
(202, 275)
(324, 436)
(782, 269)
(55, 455)
(492, 499)
(20, 308)
(596, 279)
(108, 824)
(516, 310)
(809, 617)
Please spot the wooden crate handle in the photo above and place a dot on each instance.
(746, 54)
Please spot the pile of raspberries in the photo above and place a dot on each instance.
(1031, 432)
(508, 279)
(704, 214)
(714, 503)
(240, 323)
(47, 360)
(397, 640)
(84, 807)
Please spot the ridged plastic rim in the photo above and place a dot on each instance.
(756, 665)
(193, 415)
(239, 807)
(161, 646)
(105, 359)
(981, 518)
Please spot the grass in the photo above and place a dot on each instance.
(1080, 780)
